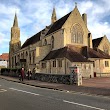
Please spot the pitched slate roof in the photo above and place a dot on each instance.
(96, 42)
(58, 24)
(32, 40)
(54, 27)
(76, 54)
(67, 52)
(94, 53)
(105, 55)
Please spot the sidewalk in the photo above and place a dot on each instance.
(88, 89)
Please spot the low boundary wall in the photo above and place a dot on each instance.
(53, 78)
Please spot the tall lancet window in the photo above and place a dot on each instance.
(77, 34)
(52, 42)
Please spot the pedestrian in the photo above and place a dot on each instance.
(29, 74)
(22, 74)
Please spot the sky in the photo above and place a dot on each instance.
(34, 15)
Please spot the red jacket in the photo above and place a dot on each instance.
(22, 73)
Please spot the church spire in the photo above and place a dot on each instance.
(15, 24)
(75, 4)
(54, 17)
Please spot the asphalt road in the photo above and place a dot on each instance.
(17, 96)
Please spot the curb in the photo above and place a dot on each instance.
(33, 84)
(67, 91)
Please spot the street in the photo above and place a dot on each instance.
(17, 96)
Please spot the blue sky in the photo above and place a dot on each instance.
(34, 15)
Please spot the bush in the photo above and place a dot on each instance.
(10, 71)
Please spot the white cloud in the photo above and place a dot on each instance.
(96, 12)
(33, 16)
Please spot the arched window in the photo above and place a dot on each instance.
(30, 58)
(26, 53)
(23, 55)
(77, 34)
(33, 57)
(52, 42)
(45, 42)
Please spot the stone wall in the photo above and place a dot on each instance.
(54, 78)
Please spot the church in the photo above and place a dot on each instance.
(66, 42)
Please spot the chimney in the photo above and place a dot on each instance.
(84, 17)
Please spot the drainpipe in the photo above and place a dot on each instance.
(65, 64)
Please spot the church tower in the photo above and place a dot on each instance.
(15, 43)
(54, 17)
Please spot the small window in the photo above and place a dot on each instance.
(89, 66)
(106, 63)
(84, 66)
(59, 63)
(26, 53)
(93, 64)
(43, 65)
(54, 63)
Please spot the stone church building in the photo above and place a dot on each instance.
(66, 42)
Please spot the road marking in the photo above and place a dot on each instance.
(83, 105)
(0, 85)
(59, 99)
(23, 91)
(3, 90)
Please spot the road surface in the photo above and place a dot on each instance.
(17, 96)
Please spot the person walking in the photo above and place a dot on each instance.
(22, 74)
(29, 74)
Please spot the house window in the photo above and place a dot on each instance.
(26, 53)
(54, 63)
(106, 63)
(89, 66)
(77, 34)
(93, 64)
(84, 66)
(43, 65)
(59, 63)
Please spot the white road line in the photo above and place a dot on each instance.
(83, 105)
(23, 91)
(3, 90)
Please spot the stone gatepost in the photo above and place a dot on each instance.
(75, 75)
